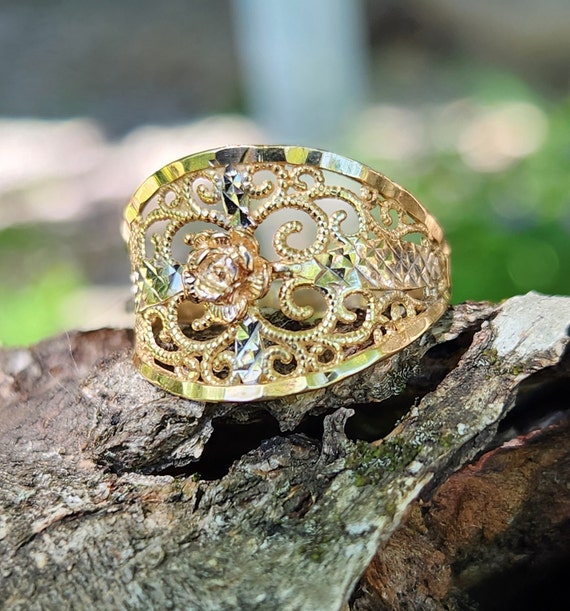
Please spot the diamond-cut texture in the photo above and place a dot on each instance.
(235, 200)
(339, 268)
(248, 349)
(156, 282)
(377, 264)
(403, 265)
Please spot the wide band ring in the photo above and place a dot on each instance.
(263, 271)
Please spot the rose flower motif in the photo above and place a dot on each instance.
(225, 272)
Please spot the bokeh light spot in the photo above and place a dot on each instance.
(501, 135)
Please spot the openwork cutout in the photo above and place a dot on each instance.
(221, 319)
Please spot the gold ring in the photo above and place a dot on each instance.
(225, 311)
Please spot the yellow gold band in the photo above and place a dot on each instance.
(224, 314)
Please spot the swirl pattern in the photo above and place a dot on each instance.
(224, 313)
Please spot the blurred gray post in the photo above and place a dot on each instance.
(303, 65)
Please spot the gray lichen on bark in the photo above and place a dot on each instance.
(102, 506)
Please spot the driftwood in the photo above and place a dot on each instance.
(421, 483)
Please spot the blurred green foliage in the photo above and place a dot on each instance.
(35, 311)
(495, 256)
(509, 230)
(34, 286)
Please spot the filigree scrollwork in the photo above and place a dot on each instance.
(201, 317)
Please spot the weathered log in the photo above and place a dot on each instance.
(116, 495)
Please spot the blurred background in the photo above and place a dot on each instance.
(465, 103)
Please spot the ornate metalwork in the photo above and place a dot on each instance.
(221, 315)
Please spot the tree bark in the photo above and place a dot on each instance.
(416, 484)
